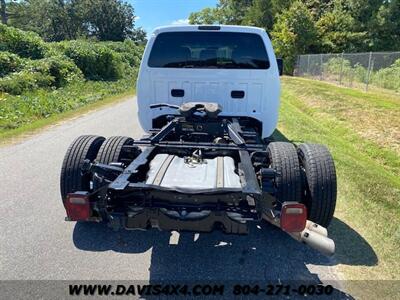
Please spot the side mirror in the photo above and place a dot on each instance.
(280, 65)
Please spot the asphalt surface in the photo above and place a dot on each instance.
(36, 242)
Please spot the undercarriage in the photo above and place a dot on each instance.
(198, 172)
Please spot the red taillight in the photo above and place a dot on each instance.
(77, 206)
(293, 217)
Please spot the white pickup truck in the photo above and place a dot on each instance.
(208, 98)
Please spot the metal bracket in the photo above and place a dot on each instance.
(164, 131)
(123, 180)
(234, 132)
(248, 176)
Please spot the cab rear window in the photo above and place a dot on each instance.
(219, 50)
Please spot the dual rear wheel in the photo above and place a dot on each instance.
(93, 148)
(306, 175)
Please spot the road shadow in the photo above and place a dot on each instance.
(265, 254)
(351, 248)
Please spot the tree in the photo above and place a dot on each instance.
(294, 33)
(337, 31)
(386, 33)
(234, 11)
(57, 20)
(363, 10)
(139, 35)
(260, 14)
(206, 16)
(226, 12)
(330, 25)
(53, 20)
(318, 7)
(3, 11)
(278, 6)
(111, 20)
(365, 14)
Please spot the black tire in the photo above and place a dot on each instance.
(320, 186)
(111, 149)
(284, 160)
(71, 179)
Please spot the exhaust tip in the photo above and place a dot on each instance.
(318, 242)
(316, 228)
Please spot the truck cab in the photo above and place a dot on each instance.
(234, 66)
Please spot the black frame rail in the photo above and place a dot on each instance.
(232, 129)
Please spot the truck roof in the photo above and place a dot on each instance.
(226, 28)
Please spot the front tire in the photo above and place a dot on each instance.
(320, 185)
(72, 179)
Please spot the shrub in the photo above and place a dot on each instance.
(339, 66)
(336, 65)
(96, 61)
(9, 63)
(28, 63)
(388, 78)
(16, 111)
(55, 49)
(55, 71)
(17, 83)
(24, 43)
(61, 68)
(129, 51)
(360, 73)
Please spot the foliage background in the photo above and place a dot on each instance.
(40, 79)
(58, 20)
(313, 26)
(360, 70)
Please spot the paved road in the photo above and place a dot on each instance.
(36, 243)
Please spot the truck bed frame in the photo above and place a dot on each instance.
(151, 205)
(121, 195)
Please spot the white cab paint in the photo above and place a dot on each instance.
(262, 87)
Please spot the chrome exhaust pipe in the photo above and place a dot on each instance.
(314, 235)
(316, 241)
(316, 228)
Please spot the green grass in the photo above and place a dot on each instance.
(34, 110)
(367, 225)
